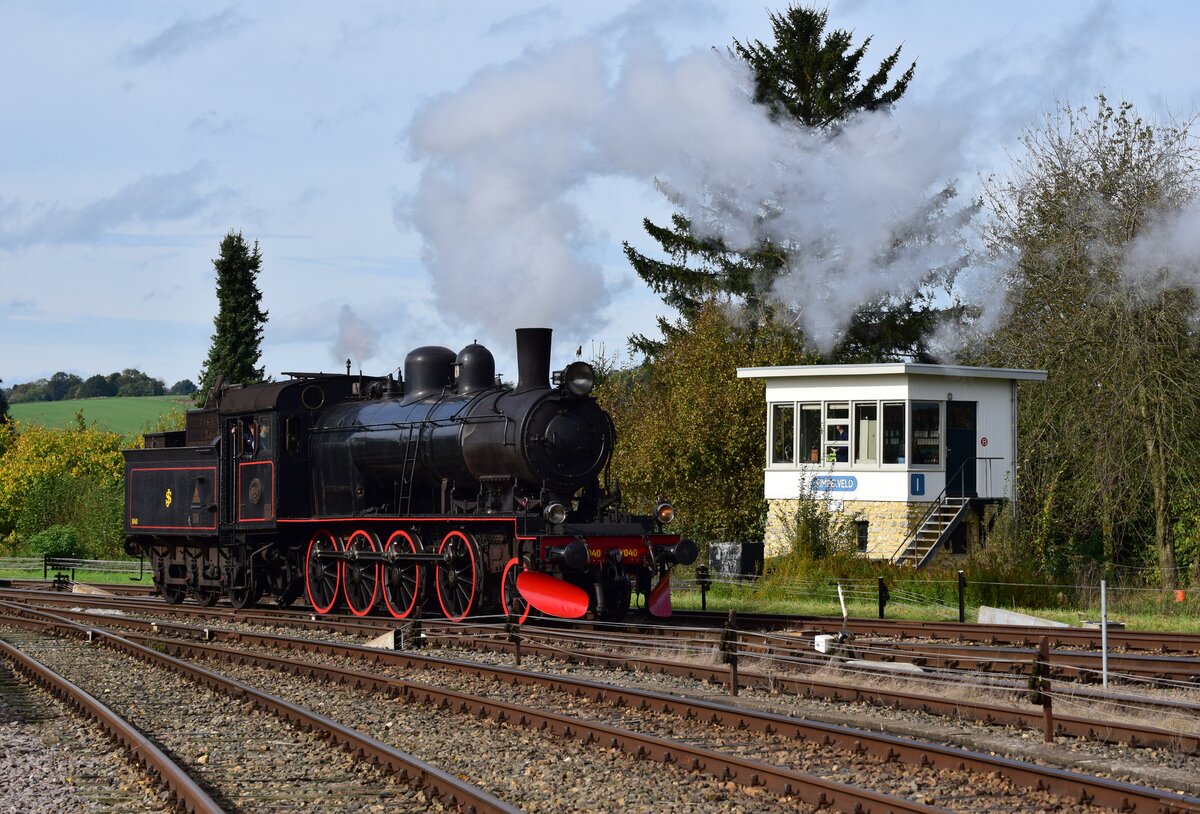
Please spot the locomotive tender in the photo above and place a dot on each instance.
(444, 487)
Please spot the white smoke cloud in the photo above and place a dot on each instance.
(1167, 253)
(504, 238)
(357, 338)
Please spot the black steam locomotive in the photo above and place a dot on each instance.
(444, 487)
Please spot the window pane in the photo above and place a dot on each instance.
(810, 432)
(837, 432)
(893, 433)
(783, 433)
(926, 433)
(866, 433)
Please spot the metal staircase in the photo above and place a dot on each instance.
(934, 528)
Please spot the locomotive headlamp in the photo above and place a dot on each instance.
(555, 513)
(664, 513)
(579, 378)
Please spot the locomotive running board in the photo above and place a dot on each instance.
(659, 601)
(551, 596)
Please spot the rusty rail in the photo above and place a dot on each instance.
(184, 789)
(457, 793)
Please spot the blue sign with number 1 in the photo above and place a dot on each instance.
(917, 484)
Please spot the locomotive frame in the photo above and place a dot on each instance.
(443, 488)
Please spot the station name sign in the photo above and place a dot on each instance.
(834, 483)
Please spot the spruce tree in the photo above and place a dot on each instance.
(235, 349)
(814, 78)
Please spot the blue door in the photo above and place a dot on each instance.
(960, 449)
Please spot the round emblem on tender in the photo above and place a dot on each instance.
(255, 491)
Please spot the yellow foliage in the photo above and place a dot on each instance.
(34, 454)
(690, 430)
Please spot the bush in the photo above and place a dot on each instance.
(56, 541)
(71, 478)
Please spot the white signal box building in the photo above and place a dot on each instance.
(919, 456)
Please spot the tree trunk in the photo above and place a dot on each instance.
(1160, 483)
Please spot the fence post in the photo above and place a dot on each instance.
(705, 580)
(729, 650)
(1039, 684)
(514, 636)
(884, 596)
(1104, 633)
(962, 597)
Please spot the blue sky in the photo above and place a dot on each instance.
(435, 173)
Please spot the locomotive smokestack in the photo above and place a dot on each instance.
(533, 358)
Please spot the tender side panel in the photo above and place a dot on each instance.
(166, 496)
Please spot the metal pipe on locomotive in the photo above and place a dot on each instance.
(442, 487)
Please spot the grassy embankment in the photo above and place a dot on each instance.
(126, 416)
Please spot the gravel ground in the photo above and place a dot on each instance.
(535, 771)
(55, 761)
(246, 759)
(1157, 768)
(959, 791)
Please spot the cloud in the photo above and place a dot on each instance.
(185, 34)
(211, 123)
(525, 21)
(149, 200)
(19, 308)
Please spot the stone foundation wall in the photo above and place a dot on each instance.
(890, 522)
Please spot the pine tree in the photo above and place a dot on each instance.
(235, 349)
(813, 78)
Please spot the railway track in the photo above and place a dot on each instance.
(925, 756)
(234, 747)
(1145, 641)
(448, 713)
(784, 663)
(64, 751)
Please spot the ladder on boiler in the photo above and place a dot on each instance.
(408, 467)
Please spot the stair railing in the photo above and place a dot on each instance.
(937, 504)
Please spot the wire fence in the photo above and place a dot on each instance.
(48, 566)
(958, 597)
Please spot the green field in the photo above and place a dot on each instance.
(126, 416)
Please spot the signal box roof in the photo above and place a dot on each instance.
(891, 368)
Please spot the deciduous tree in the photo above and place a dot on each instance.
(1111, 437)
(690, 430)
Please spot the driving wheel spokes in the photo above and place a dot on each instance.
(512, 603)
(458, 576)
(361, 583)
(401, 580)
(322, 575)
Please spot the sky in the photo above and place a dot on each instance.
(422, 173)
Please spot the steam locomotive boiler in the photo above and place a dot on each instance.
(443, 487)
